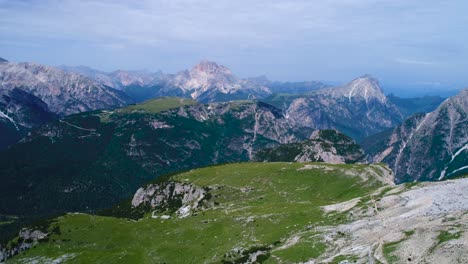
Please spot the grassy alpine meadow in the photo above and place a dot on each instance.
(158, 105)
(269, 207)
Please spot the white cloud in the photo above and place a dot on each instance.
(416, 62)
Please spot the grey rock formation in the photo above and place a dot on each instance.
(27, 239)
(430, 146)
(184, 198)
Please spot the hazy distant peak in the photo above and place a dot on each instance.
(210, 67)
(365, 88)
(2, 60)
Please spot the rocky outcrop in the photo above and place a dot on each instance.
(358, 109)
(183, 198)
(430, 146)
(27, 238)
(328, 146)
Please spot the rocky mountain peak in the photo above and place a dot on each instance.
(460, 100)
(2, 60)
(365, 87)
(209, 68)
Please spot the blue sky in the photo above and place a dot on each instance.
(401, 42)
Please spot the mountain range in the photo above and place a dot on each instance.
(76, 139)
(205, 82)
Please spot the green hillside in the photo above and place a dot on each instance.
(255, 207)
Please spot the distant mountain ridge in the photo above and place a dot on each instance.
(206, 82)
(64, 93)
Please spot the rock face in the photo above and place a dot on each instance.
(115, 152)
(183, 198)
(423, 224)
(358, 109)
(64, 93)
(328, 146)
(27, 238)
(429, 146)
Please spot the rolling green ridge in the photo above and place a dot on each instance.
(256, 207)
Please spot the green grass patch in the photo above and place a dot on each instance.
(349, 258)
(158, 105)
(445, 236)
(301, 252)
(389, 250)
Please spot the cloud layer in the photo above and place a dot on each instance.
(300, 39)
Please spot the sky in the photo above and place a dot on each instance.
(404, 43)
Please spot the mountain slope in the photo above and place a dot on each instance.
(267, 213)
(114, 152)
(19, 112)
(64, 93)
(428, 146)
(328, 146)
(249, 208)
(358, 109)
